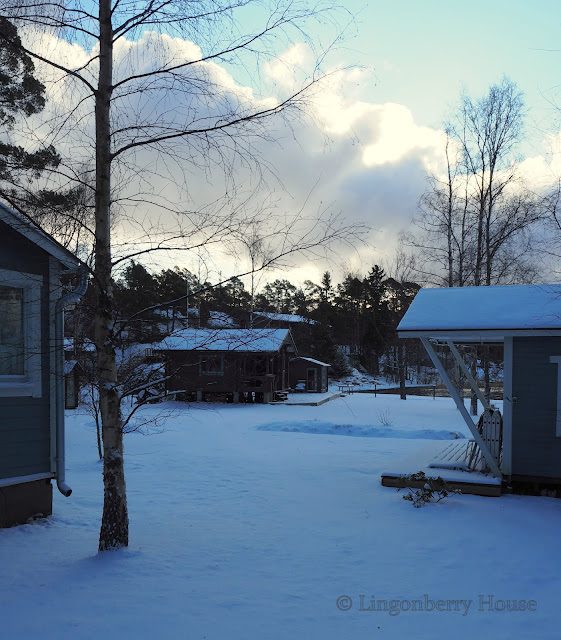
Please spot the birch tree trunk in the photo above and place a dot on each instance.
(114, 531)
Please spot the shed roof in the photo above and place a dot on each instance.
(41, 238)
(256, 340)
(313, 361)
(484, 313)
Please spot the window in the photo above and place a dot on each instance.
(211, 365)
(11, 331)
(255, 365)
(20, 334)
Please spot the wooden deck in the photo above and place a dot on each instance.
(475, 488)
(459, 454)
(459, 463)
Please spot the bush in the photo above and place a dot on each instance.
(426, 489)
(385, 418)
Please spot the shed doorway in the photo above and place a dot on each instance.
(311, 380)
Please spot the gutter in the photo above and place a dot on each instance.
(61, 303)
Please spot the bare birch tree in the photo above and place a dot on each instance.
(476, 219)
(132, 57)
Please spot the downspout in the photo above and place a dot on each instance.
(61, 303)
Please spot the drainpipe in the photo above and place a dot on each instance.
(61, 303)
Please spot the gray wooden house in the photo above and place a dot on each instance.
(526, 320)
(307, 374)
(32, 303)
(239, 365)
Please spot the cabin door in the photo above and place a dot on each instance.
(311, 380)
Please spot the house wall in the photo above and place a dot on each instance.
(536, 450)
(25, 440)
(183, 366)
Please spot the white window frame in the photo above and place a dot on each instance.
(28, 384)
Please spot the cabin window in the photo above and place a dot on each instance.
(20, 334)
(255, 366)
(211, 365)
(11, 332)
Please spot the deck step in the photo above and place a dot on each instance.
(456, 455)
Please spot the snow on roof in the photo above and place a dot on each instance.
(69, 366)
(220, 320)
(169, 312)
(86, 345)
(282, 317)
(225, 340)
(509, 309)
(323, 364)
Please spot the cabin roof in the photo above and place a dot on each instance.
(484, 313)
(247, 340)
(41, 238)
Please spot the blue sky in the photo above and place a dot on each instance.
(423, 53)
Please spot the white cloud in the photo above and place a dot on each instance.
(399, 136)
(371, 166)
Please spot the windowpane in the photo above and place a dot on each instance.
(11, 331)
(211, 365)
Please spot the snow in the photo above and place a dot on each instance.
(225, 340)
(84, 346)
(220, 320)
(69, 366)
(521, 307)
(241, 533)
(283, 317)
(359, 430)
(323, 364)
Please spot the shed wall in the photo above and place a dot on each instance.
(299, 371)
(536, 451)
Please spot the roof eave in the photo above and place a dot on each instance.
(477, 335)
(40, 238)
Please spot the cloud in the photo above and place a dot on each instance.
(399, 136)
(366, 160)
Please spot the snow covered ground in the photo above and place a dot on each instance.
(244, 530)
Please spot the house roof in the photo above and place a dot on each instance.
(323, 364)
(256, 340)
(39, 237)
(282, 317)
(484, 313)
(220, 320)
(86, 345)
(69, 366)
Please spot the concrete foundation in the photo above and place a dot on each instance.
(20, 502)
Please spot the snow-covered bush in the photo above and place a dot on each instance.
(423, 490)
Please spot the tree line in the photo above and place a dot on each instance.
(347, 324)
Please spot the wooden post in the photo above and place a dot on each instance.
(473, 384)
(460, 404)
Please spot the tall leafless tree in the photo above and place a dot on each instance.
(476, 219)
(133, 57)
